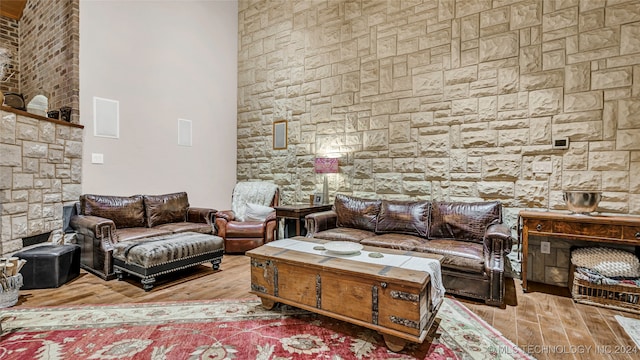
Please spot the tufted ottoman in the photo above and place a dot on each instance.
(153, 256)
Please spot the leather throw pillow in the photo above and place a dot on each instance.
(356, 213)
(124, 211)
(404, 217)
(463, 220)
(167, 208)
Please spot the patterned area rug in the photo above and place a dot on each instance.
(631, 326)
(231, 329)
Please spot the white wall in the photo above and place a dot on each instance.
(162, 60)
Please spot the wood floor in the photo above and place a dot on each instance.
(544, 321)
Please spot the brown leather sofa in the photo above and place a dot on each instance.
(104, 220)
(470, 236)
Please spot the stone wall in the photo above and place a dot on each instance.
(444, 100)
(9, 41)
(47, 48)
(40, 172)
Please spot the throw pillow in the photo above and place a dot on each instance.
(124, 211)
(356, 213)
(463, 220)
(256, 212)
(404, 217)
(167, 208)
(607, 262)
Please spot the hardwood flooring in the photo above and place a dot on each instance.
(544, 321)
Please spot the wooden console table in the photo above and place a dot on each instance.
(298, 212)
(622, 230)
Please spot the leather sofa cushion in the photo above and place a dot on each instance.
(463, 221)
(167, 208)
(136, 233)
(184, 226)
(343, 234)
(395, 241)
(356, 213)
(404, 217)
(459, 255)
(125, 211)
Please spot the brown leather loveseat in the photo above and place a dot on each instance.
(470, 236)
(104, 220)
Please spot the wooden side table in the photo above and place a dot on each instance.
(298, 212)
(622, 230)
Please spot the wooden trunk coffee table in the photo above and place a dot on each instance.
(392, 300)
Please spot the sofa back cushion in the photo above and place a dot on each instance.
(463, 220)
(125, 211)
(404, 217)
(356, 213)
(167, 208)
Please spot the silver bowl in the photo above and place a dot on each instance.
(582, 202)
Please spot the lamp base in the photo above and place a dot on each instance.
(325, 191)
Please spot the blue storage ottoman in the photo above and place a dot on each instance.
(49, 266)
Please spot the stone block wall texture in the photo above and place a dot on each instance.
(48, 51)
(444, 99)
(40, 172)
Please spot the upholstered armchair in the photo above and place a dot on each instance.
(251, 222)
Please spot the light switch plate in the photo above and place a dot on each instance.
(545, 247)
(97, 158)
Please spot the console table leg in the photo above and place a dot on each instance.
(394, 343)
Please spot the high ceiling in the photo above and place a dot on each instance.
(12, 8)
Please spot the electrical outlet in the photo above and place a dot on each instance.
(545, 247)
(544, 167)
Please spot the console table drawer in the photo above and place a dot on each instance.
(595, 230)
(540, 225)
(631, 232)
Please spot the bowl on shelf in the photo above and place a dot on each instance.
(582, 202)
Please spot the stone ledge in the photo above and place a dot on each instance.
(38, 117)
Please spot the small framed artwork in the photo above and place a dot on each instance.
(317, 199)
(280, 135)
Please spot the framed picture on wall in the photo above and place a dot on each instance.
(280, 135)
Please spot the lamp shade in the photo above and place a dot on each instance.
(326, 165)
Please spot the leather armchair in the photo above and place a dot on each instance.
(241, 235)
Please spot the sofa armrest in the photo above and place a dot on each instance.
(498, 238)
(96, 236)
(226, 215)
(270, 224)
(320, 221)
(97, 227)
(221, 218)
(201, 215)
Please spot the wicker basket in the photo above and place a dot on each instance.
(9, 295)
(617, 297)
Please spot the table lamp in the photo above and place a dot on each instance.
(326, 166)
